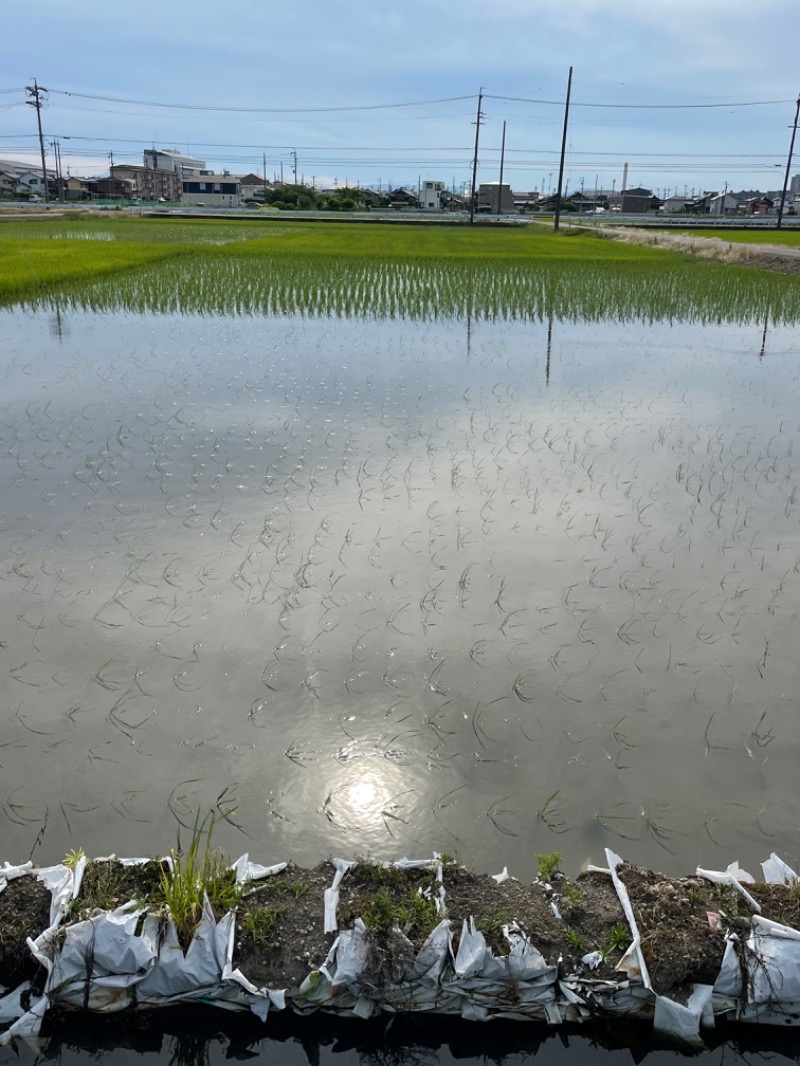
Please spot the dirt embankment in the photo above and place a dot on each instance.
(280, 935)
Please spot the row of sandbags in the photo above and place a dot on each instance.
(128, 958)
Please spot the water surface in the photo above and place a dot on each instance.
(489, 586)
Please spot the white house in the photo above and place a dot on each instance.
(673, 204)
(430, 195)
(724, 204)
(31, 181)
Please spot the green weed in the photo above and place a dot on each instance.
(259, 923)
(547, 865)
(618, 939)
(491, 924)
(573, 938)
(198, 872)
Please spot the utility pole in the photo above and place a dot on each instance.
(557, 217)
(788, 165)
(35, 92)
(294, 157)
(475, 157)
(59, 171)
(502, 160)
(111, 176)
(264, 164)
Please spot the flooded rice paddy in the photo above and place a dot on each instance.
(401, 574)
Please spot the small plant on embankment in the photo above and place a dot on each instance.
(491, 924)
(259, 923)
(199, 872)
(618, 939)
(388, 898)
(548, 865)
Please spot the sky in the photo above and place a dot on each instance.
(387, 94)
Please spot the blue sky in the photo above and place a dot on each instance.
(360, 53)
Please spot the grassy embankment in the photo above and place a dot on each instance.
(787, 238)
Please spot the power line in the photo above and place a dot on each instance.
(261, 110)
(412, 103)
(640, 107)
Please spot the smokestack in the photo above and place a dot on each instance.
(624, 178)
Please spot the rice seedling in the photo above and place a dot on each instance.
(388, 272)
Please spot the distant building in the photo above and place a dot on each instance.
(149, 183)
(674, 204)
(252, 187)
(430, 196)
(8, 183)
(401, 198)
(724, 204)
(211, 190)
(185, 166)
(636, 201)
(525, 201)
(494, 198)
(758, 205)
(794, 185)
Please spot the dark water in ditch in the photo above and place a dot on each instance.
(386, 586)
(216, 1037)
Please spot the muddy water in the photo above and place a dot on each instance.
(492, 588)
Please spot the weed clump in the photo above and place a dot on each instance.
(194, 875)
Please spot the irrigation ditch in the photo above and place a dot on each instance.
(362, 938)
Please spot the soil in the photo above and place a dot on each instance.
(24, 912)
(296, 944)
(682, 921)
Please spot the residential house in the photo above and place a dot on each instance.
(758, 205)
(401, 199)
(724, 204)
(526, 201)
(431, 195)
(252, 187)
(211, 190)
(453, 201)
(700, 205)
(30, 181)
(72, 189)
(113, 187)
(8, 183)
(674, 205)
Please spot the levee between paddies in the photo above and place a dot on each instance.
(364, 937)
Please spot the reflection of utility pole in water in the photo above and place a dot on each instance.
(59, 327)
(549, 348)
(762, 353)
(469, 336)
